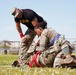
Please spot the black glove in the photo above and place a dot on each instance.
(15, 64)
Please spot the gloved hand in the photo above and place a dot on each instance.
(23, 39)
(15, 64)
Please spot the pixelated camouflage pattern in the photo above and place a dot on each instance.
(48, 52)
(25, 46)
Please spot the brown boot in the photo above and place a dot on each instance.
(71, 64)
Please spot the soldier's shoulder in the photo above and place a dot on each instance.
(47, 29)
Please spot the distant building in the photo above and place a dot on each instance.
(15, 43)
(10, 46)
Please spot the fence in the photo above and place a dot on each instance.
(14, 50)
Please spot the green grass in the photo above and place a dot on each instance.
(7, 59)
(36, 71)
(7, 69)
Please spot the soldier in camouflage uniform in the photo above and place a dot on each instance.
(51, 43)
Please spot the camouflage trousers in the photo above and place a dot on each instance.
(47, 57)
(64, 45)
(61, 61)
(23, 55)
(44, 59)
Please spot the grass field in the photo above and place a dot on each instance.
(7, 69)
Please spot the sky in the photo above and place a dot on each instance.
(59, 14)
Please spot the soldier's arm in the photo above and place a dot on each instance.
(18, 27)
(44, 41)
(34, 22)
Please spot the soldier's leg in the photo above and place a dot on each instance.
(66, 49)
(66, 46)
(24, 46)
(46, 58)
(62, 61)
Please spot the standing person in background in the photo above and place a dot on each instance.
(30, 19)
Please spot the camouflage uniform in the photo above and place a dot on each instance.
(25, 46)
(49, 51)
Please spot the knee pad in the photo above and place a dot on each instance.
(65, 49)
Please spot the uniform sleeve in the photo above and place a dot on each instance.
(43, 41)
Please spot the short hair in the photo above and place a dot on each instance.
(42, 25)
